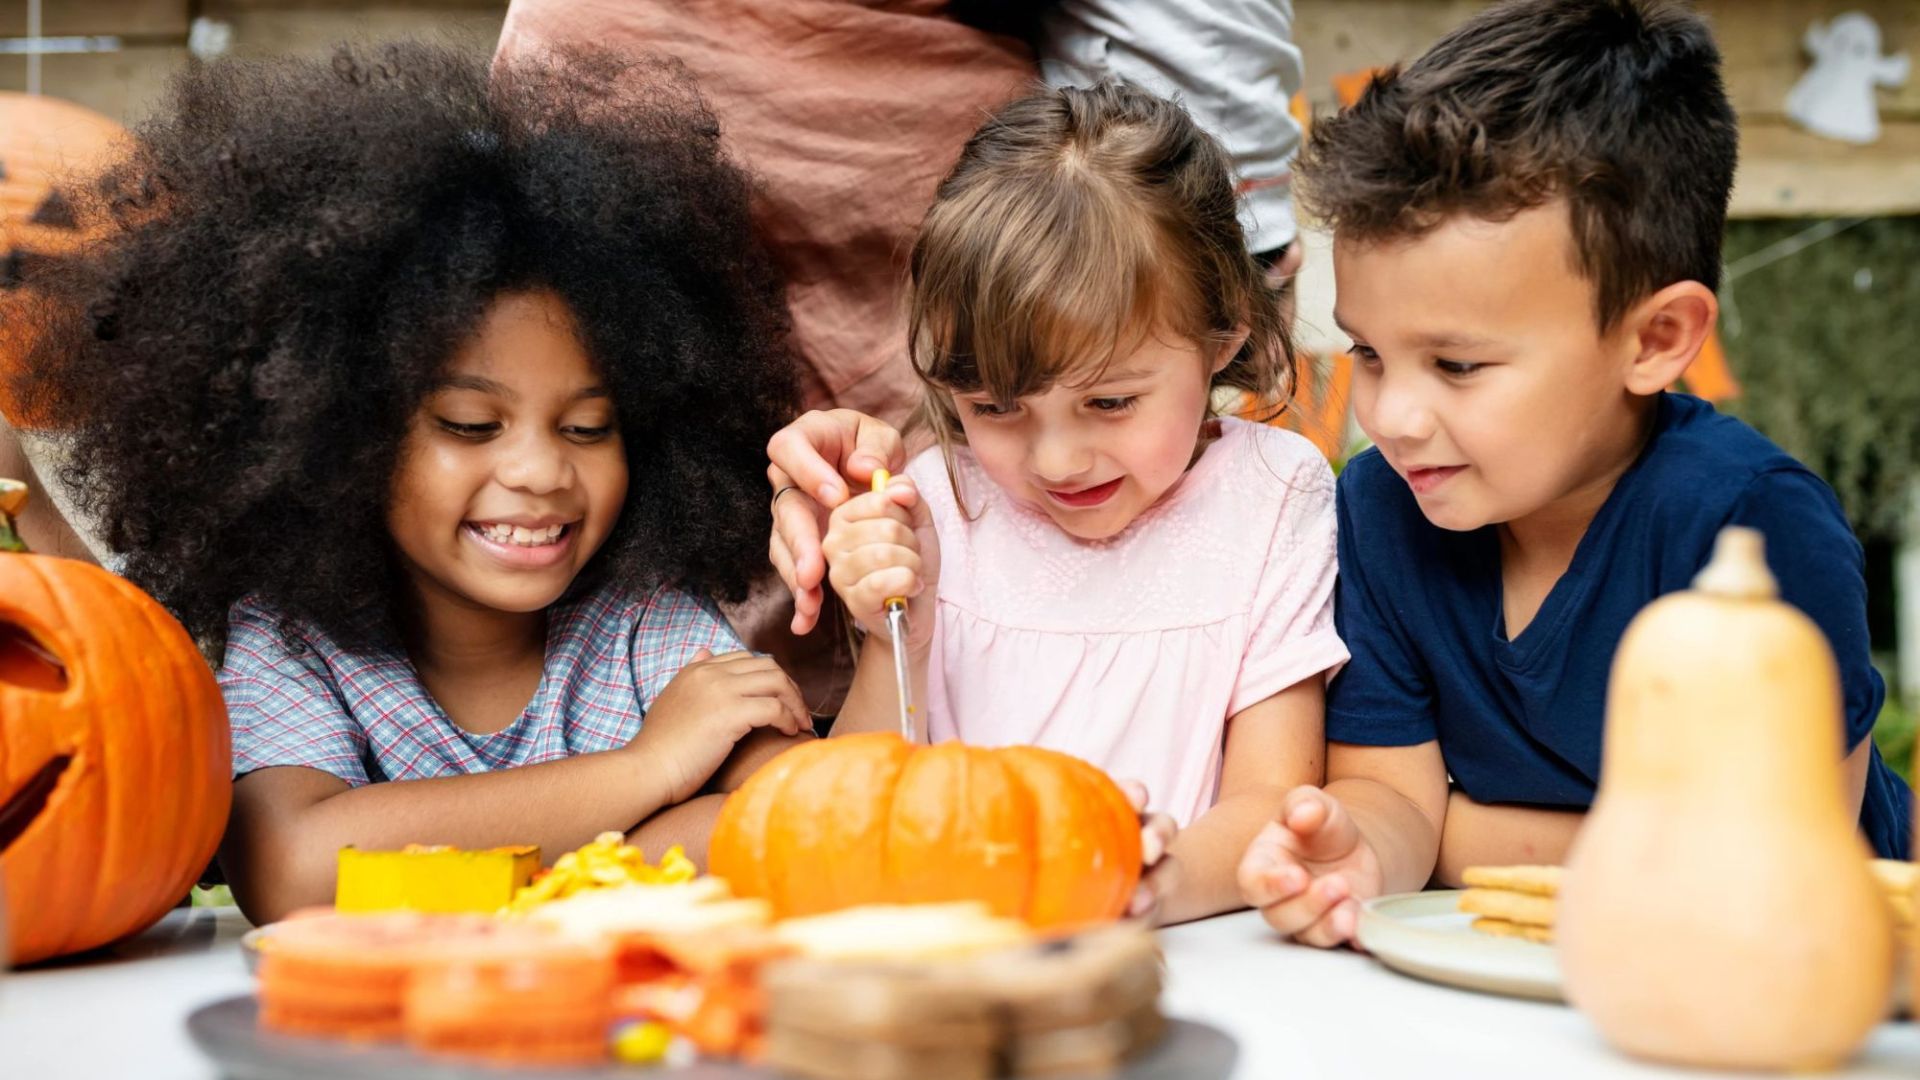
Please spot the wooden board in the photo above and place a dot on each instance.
(1760, 41)
(221, 8)
(1783, 171)
(125, 18)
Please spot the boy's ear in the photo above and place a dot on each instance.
(1230, 347)
(1665, 332)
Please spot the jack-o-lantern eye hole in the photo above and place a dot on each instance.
(28, 664)
(23, 805)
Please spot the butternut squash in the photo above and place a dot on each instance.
(1717, 908)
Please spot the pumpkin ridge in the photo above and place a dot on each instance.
(1031, 837)
(774, 872)
(886, 830)
(198, 801)
(122, 843)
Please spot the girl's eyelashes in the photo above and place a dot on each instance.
(1113, 404)
(1363, 353)
(991, 409)
(581, 433)
(468, 431)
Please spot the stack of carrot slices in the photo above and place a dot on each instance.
(465, 985)
(519, 997)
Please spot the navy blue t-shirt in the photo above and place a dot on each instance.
(1520, 721)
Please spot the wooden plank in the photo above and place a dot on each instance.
(218, 8)
(270, 32)
(1338, 36)
(1761, 43)
(130, 18)
(125, 85)
(1785, 172)
(1759, 40)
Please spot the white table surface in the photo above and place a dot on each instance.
(1297, 1013)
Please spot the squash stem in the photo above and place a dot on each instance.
(1738, 568)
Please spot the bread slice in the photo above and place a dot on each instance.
(903, 932)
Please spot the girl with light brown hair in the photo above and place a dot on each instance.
(1095, 562)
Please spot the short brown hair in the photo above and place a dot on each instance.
(1615, 106)
(1075, 221)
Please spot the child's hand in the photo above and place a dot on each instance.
(1161, 874)
(710, 705)
(1308, 870)
(880, 545)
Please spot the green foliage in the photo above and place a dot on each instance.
(1826, 343)
(212, 896)
(1894, 735)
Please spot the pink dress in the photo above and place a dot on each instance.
(1133, 652)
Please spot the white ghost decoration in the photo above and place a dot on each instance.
(1835, 97)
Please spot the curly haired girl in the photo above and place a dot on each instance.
(443, 397)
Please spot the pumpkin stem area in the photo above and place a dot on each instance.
(13, 496)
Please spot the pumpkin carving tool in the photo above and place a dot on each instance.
(897, 629)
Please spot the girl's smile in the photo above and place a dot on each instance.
(523, 546)
(1086, 497)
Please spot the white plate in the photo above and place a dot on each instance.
(1425, 935)
(250, 946)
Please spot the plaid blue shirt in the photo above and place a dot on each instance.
(362, 714)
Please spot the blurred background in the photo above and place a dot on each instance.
(1819, 342)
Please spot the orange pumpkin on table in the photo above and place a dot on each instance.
(861, 819)
(114, 752)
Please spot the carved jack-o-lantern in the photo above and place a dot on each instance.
(42, 141)
(114, 752)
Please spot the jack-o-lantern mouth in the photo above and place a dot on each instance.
(23, 807)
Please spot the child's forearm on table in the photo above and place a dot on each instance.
(1208, 853)
(759, 747)
(285, 854)
(1405, 840)
(688, 825)
(1478, 834)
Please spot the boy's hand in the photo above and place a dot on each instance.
(1308, 870)
(710, 705)
(1162, 874)
(881, 545)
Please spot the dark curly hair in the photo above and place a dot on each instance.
(294, 249)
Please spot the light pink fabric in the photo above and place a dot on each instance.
(848, 113)
(1133, 652)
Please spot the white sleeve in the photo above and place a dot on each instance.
(1231, 62)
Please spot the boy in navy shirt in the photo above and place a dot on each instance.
(1527, 227)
